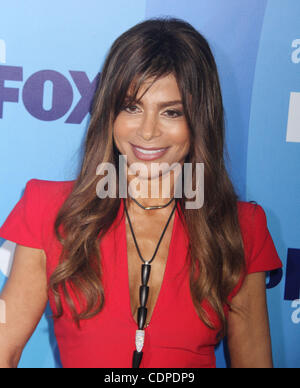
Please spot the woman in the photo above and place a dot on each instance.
(203, 269)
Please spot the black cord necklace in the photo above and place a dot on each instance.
(144, 292)
(152, 207)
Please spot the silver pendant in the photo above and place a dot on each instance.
(139, 340)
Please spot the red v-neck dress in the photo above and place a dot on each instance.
(175, 337)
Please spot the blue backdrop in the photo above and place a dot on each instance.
(50, 55)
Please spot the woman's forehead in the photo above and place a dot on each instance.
(138, 89)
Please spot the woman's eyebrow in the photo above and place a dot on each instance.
(163, 104)
(169, 103)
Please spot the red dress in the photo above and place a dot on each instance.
(175, 337)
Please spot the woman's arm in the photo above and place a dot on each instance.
(25, 297)
(249, 340)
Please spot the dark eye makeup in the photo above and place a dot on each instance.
(171, 113)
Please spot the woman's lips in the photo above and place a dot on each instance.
(148, 154)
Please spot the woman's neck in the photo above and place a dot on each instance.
(151, 192)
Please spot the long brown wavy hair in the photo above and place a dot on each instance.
(150, 50)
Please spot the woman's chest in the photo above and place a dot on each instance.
(174, 322)
(147, 246)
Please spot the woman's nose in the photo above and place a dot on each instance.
(149, 127)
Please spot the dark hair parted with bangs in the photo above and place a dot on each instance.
(148, 51)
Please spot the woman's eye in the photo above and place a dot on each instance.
(172, 113)
(131, 109)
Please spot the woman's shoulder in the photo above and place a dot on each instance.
(50, 186)
(249, 212)
(49, 191)
(260, 251)
(259, 246)
(252, 220)
(30, 223)
(46, 197)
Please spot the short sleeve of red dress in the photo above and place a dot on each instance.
(260, 252)
(23, 224)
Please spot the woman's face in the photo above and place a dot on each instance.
(155, 128)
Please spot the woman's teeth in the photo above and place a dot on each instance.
(149, 152)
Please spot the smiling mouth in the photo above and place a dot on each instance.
(148, 153)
